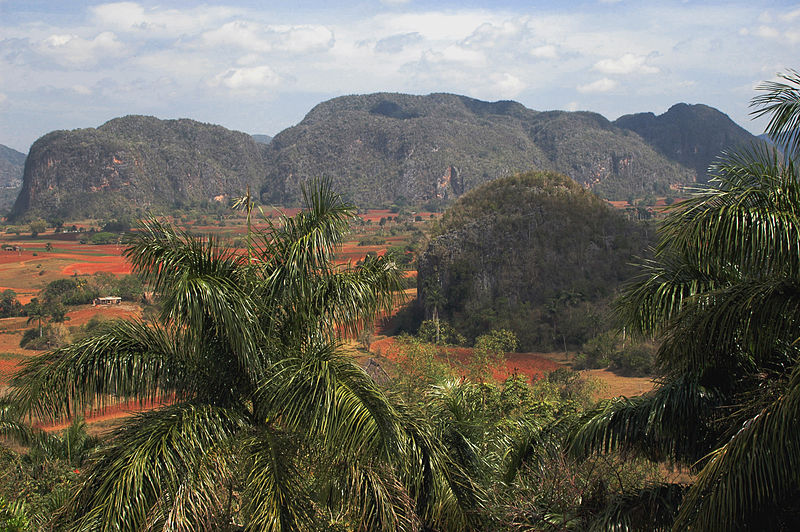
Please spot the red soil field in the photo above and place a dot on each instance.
(86, 312)
(110, 412)
(532, 365)
(115, 265)
(8, 367)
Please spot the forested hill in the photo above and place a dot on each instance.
(385, 147)
(11, 164)
(693, 135)
(535, 253)
(377, 149)
(135, 163)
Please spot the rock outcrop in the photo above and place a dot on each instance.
(135, 164)
(693, 135)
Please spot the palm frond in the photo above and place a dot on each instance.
(164, 466)
(447, 498)
(205, 289)
(659, 292)
(73, 445)
(651, 509)
(748, 219)
(781, 102)
(756, 468)
(305, 243)
(128, 359)
(738, 327)
(368, 495)
(326, 395)
(276, 494)
(669, 423)
(11, 424)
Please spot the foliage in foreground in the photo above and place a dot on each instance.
(723, 295)
(269, 426)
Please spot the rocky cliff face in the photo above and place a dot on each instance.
(693, 135)
(528, 252)
(12, 163)
(134, 164)
(377, 149)
(382, 148)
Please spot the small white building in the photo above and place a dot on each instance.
(108, 300)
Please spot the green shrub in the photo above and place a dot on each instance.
(447, 334)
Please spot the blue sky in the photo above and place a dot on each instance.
(259, 66)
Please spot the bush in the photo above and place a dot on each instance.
(372, 241)
(603, 351)
(447, 334)
(53, 335)
(103, 237)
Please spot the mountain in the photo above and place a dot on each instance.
(11, 164)
(133, 164)
(377, 149)
(535, 253)
(384, 148)
(693, 135)
(262, 139)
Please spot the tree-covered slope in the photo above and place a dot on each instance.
(12, 163)
(376, 149)
(693, 135)
(133, 164)
(382, 148)
(534, 252)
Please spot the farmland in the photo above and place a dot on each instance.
(33, 262)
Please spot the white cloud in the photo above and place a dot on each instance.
(791, 15)
(3, 98)
(397, 43)
(82, 90)
(627, 64)
(197, 61)
(573, 106)
(547, 51)
(158, 22)
(506, 85)
(395, 2)
(72, 50)
(601, 85)
(248, 78)
(256, 37)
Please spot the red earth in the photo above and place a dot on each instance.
(532, 365)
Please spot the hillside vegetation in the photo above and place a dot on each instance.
(133, 164)
(12, 163)
(535, 253)
(693, 135)
(386, 147)
(377, 150)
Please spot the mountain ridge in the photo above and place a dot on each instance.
(691, 134)
(378, 149)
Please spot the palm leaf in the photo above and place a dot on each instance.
(128, 359)
(276, 495)
(162, 468)
(756, 469)
(781, 102)
(651, 509)
(671, 423)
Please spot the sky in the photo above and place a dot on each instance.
(260, 66)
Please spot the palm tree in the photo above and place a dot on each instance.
(723, 294)
(268, 425)
(36, 313)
